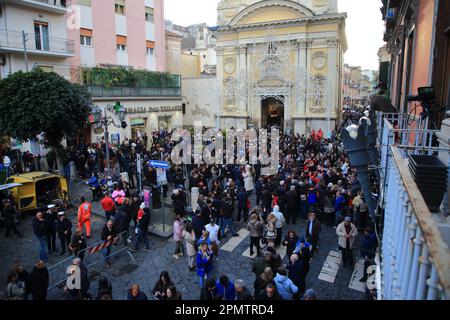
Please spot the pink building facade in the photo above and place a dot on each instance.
(119, 32)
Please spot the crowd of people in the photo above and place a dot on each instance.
(315, 186)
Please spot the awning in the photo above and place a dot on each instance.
(85, 32)
(122, 40)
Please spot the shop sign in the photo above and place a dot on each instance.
(138, 122)
(153, 109)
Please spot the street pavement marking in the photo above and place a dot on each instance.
(247, 253)
(330, 267)
(235, 241)
(280, 250)
(358, 273)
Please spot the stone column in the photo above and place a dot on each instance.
(241, 68)
(220, 78)
(333, 75)
(303, 45)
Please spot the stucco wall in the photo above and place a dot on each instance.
(200, 96)
(190, 66)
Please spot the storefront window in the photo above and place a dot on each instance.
(164, 122)
(138, 127)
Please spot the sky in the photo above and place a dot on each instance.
(364, 25)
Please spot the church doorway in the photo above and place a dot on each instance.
(272, 113)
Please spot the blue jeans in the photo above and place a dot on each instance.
(106, 253)
(303, 211)
(227, 222)
(141, 236)
(43, 255)
(338, 218)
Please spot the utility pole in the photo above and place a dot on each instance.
(105, 122)
(25, 52)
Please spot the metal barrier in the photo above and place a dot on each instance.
(393, 129)
(415, 257)
(92, 255)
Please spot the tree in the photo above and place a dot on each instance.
(42, 104)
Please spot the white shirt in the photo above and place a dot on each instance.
(213, 232)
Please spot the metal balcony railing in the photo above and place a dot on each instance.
(394, 128)
(415, 258)
(57, 3)
(12, 40)
(127, 91)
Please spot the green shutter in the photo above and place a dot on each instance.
(121, 2)
(149, 10)
(85, 2)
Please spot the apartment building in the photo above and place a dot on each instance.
(120, 32)
(118, 47)
(40, 27)
(358, 84)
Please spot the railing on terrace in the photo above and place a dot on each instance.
(126, 91)
(415, 258)
(13, 40)
(397, 129)
(56, 3)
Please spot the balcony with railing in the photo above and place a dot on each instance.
(117, 81)
(415, 255)
(12, 41)
(54, 6)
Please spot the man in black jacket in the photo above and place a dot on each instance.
(142, 234)
(198, 224)
(178, 201)
(313, 231)
(292, 205)
(51, 216)
(9, 216)
(127, 210)
(108, 234)
(120, 224)
(39, 281)
(270, 293)
(207, 291)
(64, 230)
(40, 229)
(78, 244)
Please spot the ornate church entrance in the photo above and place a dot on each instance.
(272, 113)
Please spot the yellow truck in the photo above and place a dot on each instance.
(38, 190)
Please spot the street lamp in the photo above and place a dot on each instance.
(105, 120)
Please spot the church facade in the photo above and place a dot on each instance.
(280, 63)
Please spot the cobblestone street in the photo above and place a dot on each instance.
(124, 272)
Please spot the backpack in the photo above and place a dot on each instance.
(9, 293)
(269, 234)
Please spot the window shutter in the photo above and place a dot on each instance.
(86, 32)
(151, 44)
(149, 10)
(121, 2)
(122, 40)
